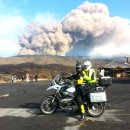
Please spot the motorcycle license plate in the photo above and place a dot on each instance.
(98, 97)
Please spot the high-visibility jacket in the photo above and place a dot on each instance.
(84, 77)
(89, 76)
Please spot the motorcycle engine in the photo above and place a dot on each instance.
(67, 91)
(65, 102)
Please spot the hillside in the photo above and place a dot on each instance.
(48, 59)
(44, 66)
(39, 59)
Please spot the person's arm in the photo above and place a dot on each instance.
(71, 77)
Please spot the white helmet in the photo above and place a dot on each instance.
(87, 65)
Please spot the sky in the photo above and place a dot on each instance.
(21, 20)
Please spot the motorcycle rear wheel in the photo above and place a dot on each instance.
(48, 105)
(95, 109)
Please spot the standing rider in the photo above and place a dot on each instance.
(78, 78)
(84, 74)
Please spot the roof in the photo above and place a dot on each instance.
(115, 64)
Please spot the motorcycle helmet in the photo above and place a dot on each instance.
(87, 65)
(78, 67)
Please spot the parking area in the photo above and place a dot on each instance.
(19, 109)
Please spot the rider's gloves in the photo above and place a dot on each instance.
(76, 82)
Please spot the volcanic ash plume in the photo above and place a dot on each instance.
(87, 30)
(46, 40)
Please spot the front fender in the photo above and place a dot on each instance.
(54, 87)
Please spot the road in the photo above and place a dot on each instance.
(19, 109)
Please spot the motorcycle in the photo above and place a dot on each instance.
(64, 98)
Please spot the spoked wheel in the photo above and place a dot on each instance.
(96, 109)
(48, 105)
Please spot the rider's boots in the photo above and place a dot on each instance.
(83, 115)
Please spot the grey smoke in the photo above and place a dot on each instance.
(86, 30)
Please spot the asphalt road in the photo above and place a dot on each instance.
(19, 109)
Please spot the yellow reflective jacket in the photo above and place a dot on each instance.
(85, 77)
(89, 76)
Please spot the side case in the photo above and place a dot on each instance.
(98, 97)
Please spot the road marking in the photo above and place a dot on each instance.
(119, 114)
(112, 115)
(5, 95)
(18, 112)
(108, 115)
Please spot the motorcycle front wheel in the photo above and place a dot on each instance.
(95, 109)
(48, 105)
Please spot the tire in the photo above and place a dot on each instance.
(95, 109)
(47, 106)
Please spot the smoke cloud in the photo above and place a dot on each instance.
(87, 30)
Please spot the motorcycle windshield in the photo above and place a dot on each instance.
(58, 79)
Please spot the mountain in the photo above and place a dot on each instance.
(49, 59)
(39, 60)
(44, 65)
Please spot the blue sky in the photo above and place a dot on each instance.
(16, 14)
(29, 8)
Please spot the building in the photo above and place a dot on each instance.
(117, 69)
